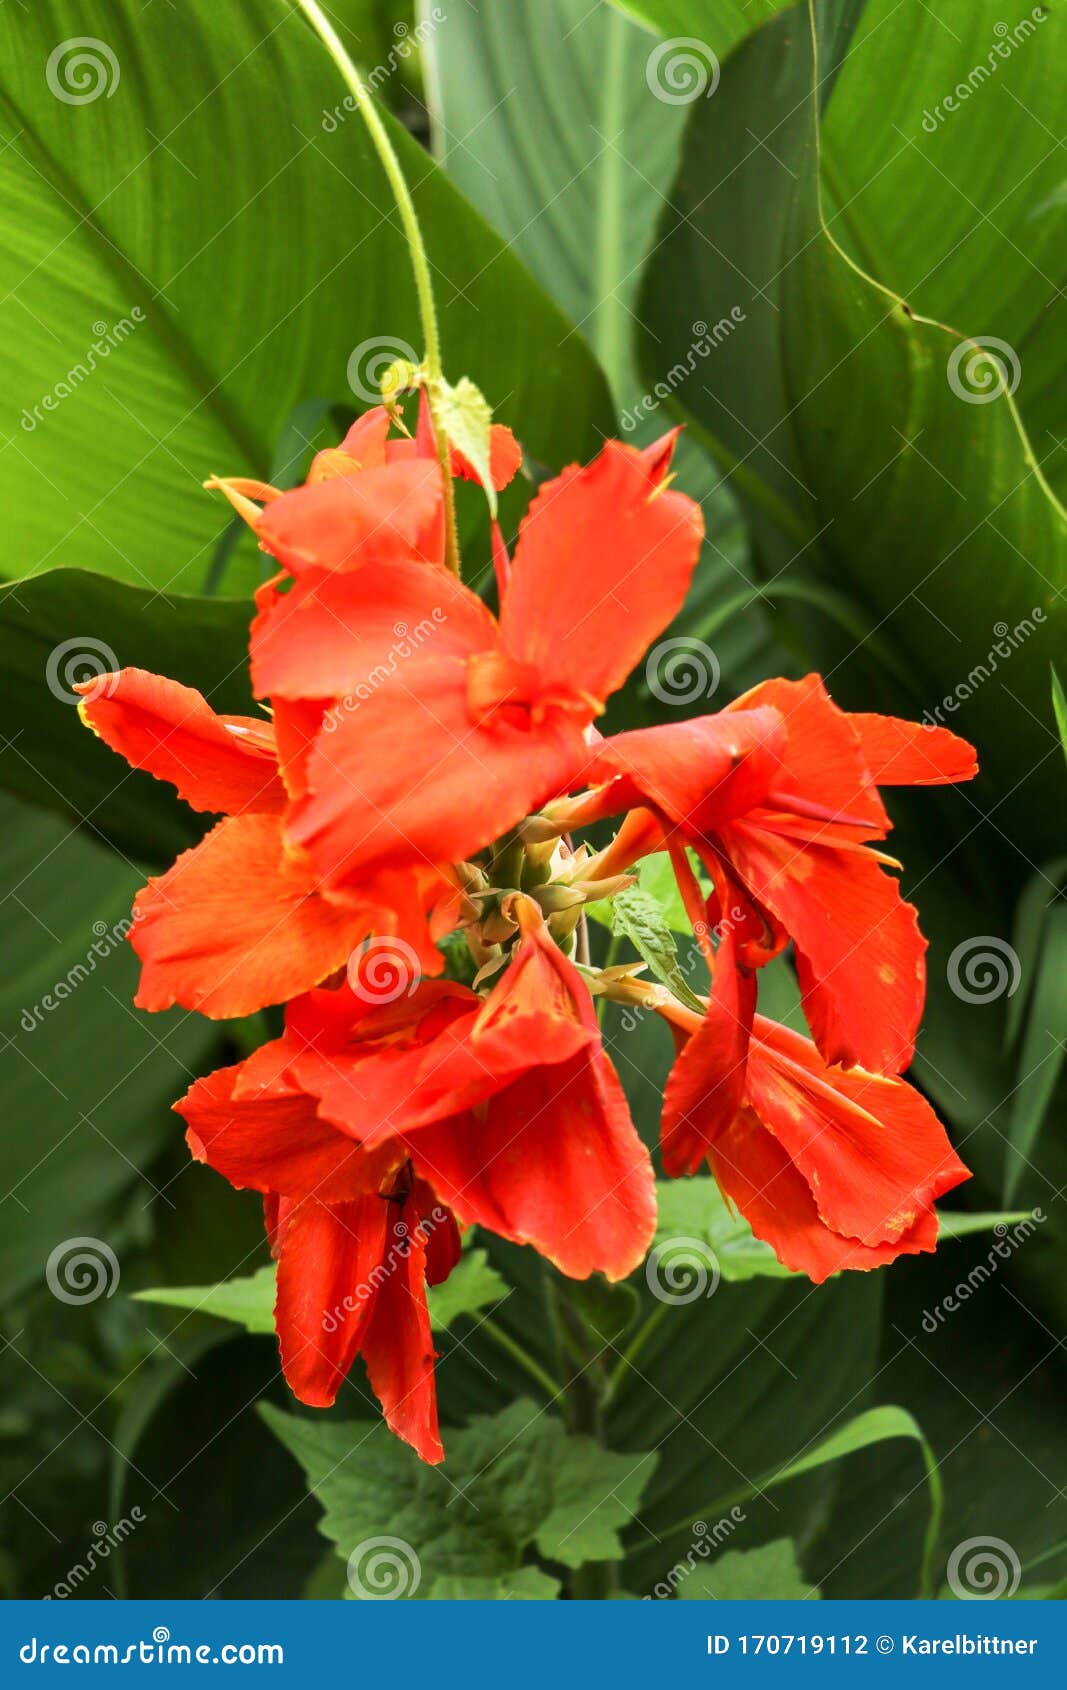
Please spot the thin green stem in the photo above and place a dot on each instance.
(420, 262)
(506, 1342)
(610, 954)
(637, 1343)
(579, 1350)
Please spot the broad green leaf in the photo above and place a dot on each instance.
(471, 1286)
(876, 1426)
(68, 625)
(1041, 1048)
(518, 1481)
(933, 510)
(999, 1451)
(1031, 916)
(543, 115)
(717, 24)
(546, 124)
(958, 1224)
(638, 917)
(179, 270)
(768, 1574)
(87, 1080)
(1059, 709)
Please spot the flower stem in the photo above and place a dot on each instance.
(582, 1413)
(630, 1354)
(420, 262)
(506, 1342)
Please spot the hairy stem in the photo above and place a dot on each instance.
(420, 262)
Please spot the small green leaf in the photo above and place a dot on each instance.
(695, 1213)
(606, 1309)
(471, 1286)
(249, 1301)
(638, 917)
(658, 881)
(768, 1574)
(467, 417)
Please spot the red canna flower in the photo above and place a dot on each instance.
(507, 1106)
(834, 1168)
(357, 1239)
(239, 921)
(778, 794)
(483, 719)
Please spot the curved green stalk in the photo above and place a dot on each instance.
(420, 262)
(526, 1361)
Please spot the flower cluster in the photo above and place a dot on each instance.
(420, 810)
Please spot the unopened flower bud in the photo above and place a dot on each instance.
(556, 897)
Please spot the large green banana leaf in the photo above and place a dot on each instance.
(197, 236)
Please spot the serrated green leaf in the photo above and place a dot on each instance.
(638, 917)
(658, 881)
(518, 1480)
(767, 1574)
(527, 1584)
